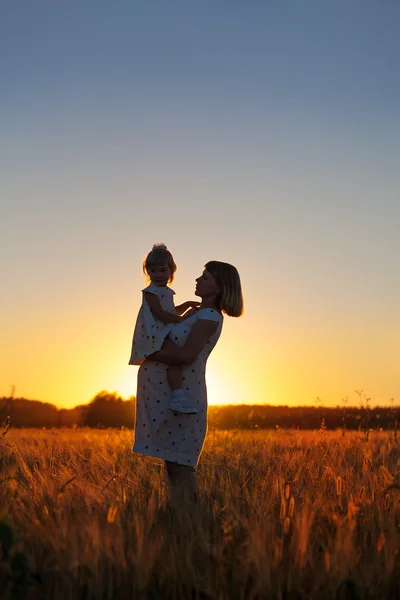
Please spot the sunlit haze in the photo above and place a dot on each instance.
(262, 134)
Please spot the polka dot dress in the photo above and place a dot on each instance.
(160, 432)
(150, 333)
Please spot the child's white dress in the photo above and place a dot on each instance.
(150, 333)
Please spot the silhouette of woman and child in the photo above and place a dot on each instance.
(172, 344)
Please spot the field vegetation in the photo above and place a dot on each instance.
(283, 515)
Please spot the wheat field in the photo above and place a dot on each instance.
(283, 515)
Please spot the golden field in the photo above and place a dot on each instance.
(283, 515)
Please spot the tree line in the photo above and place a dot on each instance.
(110, 410)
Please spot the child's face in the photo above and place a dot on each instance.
(159, 274)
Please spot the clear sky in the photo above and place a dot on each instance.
(261, 133)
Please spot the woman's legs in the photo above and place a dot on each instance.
(183, 483)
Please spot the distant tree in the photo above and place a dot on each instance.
(264, 416)
(109, 410)
(31, 413)
(67, 417)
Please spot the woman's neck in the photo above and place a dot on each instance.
(209, 303)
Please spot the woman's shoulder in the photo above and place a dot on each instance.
(209, 314)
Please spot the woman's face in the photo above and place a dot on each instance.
(206, 285)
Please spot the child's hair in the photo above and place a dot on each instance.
(159, 255)
(230, 292)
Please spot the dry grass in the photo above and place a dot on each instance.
(284, 515)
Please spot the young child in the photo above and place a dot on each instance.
(156, 318)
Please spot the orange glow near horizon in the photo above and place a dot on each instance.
(79, 362)
(218, 391)
(68, 349)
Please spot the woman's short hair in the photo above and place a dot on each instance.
(230, 289)
(159, 255)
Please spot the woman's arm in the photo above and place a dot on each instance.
(170, 354)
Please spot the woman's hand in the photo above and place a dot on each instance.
(168, 345)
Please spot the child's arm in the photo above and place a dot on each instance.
(182, 308)
(162, 315)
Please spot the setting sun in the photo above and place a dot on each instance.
(219, 390)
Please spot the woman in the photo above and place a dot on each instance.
(179, 438)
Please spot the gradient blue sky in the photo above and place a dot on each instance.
(266, 134)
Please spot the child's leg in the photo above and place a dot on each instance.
(174, 376)
(179, 402)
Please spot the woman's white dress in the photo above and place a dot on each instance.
(159, 431)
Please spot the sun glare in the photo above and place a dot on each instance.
(218, 391)
(126, 382)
